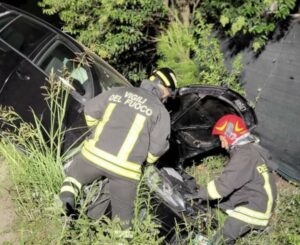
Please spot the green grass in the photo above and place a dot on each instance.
(35, 168)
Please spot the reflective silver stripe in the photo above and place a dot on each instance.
(247, 219)
(90, 121)
(73, 181)
(132, 137)
(70, 189)
(105, 119)
(151, 158)
(212, 190)
(110, 166)
(111, 158)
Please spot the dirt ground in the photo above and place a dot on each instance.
(8, 234)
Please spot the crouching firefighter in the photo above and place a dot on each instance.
(130, 126)
(246, 186)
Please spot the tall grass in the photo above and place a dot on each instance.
(32, 152)
(33, 155)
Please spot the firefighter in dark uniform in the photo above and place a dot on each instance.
(246, 186)
(130, 126)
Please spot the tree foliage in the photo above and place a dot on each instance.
(120, 31)
(255, 18)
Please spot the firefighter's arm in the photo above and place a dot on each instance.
(94, 109)
(159, 137)
(236, 174)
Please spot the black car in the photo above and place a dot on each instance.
(30, 48)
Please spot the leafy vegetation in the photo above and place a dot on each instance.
(125, 32)
(251, 18)
(119, 31)
(195, 56)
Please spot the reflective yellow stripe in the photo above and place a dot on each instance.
(164, 78)
(132, 137)
(151, 158)
(247, 219)
(73, 181)
(174, 79)
(152, 78)
(212, 190)
(268, 190)
(105, 119)
(263, 170)
(69, 189)
(90, 121)
(253, 213)
(111, 158)
(110, 166)
(251, 216)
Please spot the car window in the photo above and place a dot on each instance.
(6, 18)
(24, 35)
(107, 77)
(64, 62)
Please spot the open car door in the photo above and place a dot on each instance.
(194, 111)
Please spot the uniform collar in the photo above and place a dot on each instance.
(152, 88)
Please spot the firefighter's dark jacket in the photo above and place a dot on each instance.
(130, 126)
(248, 185)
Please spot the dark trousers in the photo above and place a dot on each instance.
(231, 231)
(122, 191)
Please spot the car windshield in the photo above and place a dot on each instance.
(107, 76)
(24, 34)
(5, 18)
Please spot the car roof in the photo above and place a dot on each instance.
(7, 7)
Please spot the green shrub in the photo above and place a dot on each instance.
(195, 56)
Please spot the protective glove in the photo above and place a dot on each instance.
(195, 195)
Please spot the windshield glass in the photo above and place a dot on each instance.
(5, 18)
(106, 75)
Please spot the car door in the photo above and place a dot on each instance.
(8, 59)
(22, 86)
(68, 64)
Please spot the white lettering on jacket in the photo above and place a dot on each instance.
(115, 98)
(132, 100)
(138, 103)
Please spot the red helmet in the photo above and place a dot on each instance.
(231, 127)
